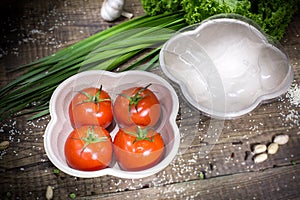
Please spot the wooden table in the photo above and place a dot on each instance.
(33, 29)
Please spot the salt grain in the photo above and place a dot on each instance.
(293, 95)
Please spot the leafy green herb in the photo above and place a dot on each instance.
(202, 175)
(56, 171)
(273, 16)
(8, 195)
(72, 195)
(293, 162)
(157, 7)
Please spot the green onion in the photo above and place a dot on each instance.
(106, 50)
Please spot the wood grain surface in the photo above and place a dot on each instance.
(220, 150)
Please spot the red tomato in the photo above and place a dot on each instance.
(89, 148)
(138, 148)
(137, 106)
(91, 106)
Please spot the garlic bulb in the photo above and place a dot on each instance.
(113, 9)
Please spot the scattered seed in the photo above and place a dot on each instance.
(259, 158)
(273, 148)
(4, 145)
(49, 193)
(281, 139)
(259, 148)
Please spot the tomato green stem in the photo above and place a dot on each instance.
(94, 98)
(133, 101)
(91, 138)
(140, 134)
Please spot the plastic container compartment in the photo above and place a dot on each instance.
(59, 126)
(226, 66)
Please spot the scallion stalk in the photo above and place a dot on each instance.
(106, 50)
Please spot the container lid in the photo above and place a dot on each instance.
(226, 66)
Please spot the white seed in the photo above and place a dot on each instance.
(49, 193)
(273, 148)
(260, 157)
(281, 139)
(259, 148)
(4, 145)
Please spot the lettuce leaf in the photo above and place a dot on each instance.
(273, 16)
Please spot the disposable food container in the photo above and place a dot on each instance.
(59, 126)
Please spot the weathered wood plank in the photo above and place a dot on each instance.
(269, 184)
(41, 28)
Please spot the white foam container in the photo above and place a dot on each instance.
(59, 126)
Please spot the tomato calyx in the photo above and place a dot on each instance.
(134, 100)
(94, 98)
(140, 134)
(91, 138)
